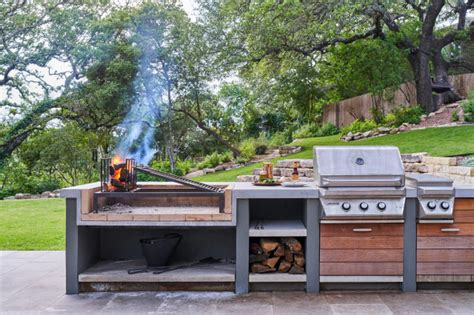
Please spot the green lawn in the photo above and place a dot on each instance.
(32, 224)
(436, 141)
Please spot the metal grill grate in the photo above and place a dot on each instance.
(178, 179)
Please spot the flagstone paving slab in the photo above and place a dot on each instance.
(34, 283)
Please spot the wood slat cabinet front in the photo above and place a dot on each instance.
(361, 249)
(445, 252)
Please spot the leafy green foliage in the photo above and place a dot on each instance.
(389, 119)
(306, 131)
(104, 100)
(313, 130)
(455, 116)
(65, 154)
(15, 177)
(247, 149)
(407, 114)
(468, 108)
(359, 126)
(182, 168)
(215, 159)
(366, 66)
(279, 138)
(469, 161)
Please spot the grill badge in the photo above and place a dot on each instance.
(360, 161)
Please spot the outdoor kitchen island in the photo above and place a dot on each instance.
(337, 251)
(101, 247)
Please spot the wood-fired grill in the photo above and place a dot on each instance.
(121, 192)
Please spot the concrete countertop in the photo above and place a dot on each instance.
(244, 190)
(247, 190)
(464, 191)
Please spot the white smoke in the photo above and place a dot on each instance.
(137, 130)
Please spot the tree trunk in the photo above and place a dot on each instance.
(419, 63)
(441, 67)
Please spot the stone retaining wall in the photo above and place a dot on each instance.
(414, 163)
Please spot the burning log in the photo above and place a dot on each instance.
(284, 255)
(117, 175)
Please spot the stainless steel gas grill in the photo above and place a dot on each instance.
(360, 183)
(362, 194)
(435, 198)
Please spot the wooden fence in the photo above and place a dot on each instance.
(344, 112)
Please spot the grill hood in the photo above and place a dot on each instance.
(358, 166)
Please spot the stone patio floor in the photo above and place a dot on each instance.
(33, 282)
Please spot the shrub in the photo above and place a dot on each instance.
(241, 160)
(313, 130)
(327, 129)
(306, 131)
(469, 161)
(247, 148)
(214, 159)
(37, 185)
(278, 139)
(359, 126)
(455, 116)
(389, 119)
(261, 149)
(182, 167)
(468, 107)
(403, 114)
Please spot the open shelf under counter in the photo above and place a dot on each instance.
(276, 277)
(277, 228)
(117, 271)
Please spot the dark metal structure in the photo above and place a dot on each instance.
(178, 179)
(119, 185)
(118, 176)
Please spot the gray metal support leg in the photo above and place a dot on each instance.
(242, 247)
(72, 284)
(311, 217)
(409, 247)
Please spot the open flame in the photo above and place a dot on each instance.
(119, 174)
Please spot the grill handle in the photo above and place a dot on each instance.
(450, 229)
(362, 230)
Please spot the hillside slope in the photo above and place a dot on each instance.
(447, 141)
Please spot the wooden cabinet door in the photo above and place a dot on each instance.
(445, 252)
(361, 249)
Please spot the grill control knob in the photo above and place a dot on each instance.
(431, 205)
(444, 205)
(363, 206)
(346, 206)
(381, 206)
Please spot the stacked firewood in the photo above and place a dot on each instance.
(276, 255)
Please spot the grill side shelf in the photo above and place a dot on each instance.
(178, 179)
